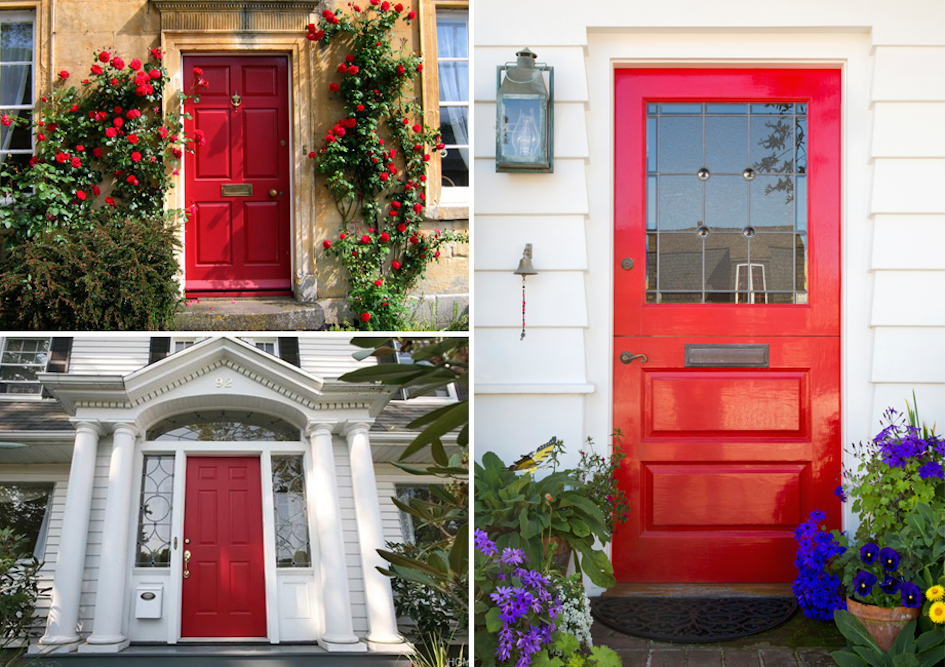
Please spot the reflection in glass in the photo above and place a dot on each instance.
(726, 109)
(154, 519)
(523, 120)
(776, 253)
(771, 203)
(216, 425)
(800, 144)
(651, 240)
(800, 201)
(681, 108)
(800, 264)
(680, 146)
(680, 262)
(772, 144)
(651, 183)
(726, 203)
(651, 139)
(726, 144)
(680, 202)
(288, 490)
(16, 42)
(453, 168)
(722, 253)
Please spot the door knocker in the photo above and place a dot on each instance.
(236, 100)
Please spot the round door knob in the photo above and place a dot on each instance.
(273, 193)
(626, 264)
(627, 358)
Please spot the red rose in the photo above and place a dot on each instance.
(155, 74)
(414, 239)
(80, 195)
(110, 201)
(420, 67)
(163, 132)
(342, 68)
(118, 63)
(353, 69)
(330, 139)
(76, 163)
(131, 179)
(357, 9)
(393, 212)
(349, 58)
(360, 107)
(385, 176)
(198, 71)
(177, 152)
(97, 152)
(417, 148)
(333, 87)
(417, 128)
(136, 156)
(395, 204)
(131, 115)
(385, 237)
(436, 254)
(395, 264)
(378, 283)
(326, 244)
(417, 208)
(401, 228)
(423, 178)
(411, 15)
(385, 6)
(365, 317)
(61, 157)
(156, 54)
(96, 69)
(365, 239)
(5, 120)
(104, 56)
(311, 154)
(40, 137)
(118, 122)
(342, 236)
(440, 147)
(400, 69)
(392, 168)
(135, 65)
(132, 138)
(96, 190)
(426, 158)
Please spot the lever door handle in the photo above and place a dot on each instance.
(627, 358)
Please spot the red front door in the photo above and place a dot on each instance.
(224, 588)
(238, 240)
(727, 201)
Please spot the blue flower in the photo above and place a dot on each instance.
(890, 585)
(818, 593)
(911, 595)
(839, 493)
(484, 544)
(889, 558)
(863, 583)
(931, 469)
(512, 556)
(868, 553)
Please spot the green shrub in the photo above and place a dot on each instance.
(19, 589)
(118, 274)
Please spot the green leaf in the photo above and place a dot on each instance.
(459, 552)
(873, 658)
(605, 656)
(929, 639)
(845, 659)
(493, 623)
(542, 659)
(851, 628)
(905, 660)
(930, 657)
(905, 640)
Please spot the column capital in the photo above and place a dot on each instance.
(130, 427)
(87, 426)
(322, 425)
(352, 427)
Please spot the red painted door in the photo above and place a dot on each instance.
(239, 238)
(727, 201)
(224, 588)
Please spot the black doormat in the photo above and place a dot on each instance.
(693, 620)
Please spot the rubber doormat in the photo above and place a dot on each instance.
(693, 620)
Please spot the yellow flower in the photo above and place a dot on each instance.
(937, 612)
(935, 593)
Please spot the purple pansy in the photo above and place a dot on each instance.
(869, 552)
(863, 583)
(889, 559)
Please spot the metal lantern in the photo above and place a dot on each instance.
(525, 116)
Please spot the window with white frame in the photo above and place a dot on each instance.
(452, 56)
(24, 510)
(17, 72)
(268, 345)
(21, 360)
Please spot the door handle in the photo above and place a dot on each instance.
(627, 358)
(186, 563)
(273, 193)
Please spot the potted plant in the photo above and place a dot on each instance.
(598, 474)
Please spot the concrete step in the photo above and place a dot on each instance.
(282, 313)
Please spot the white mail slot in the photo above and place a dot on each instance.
(149, 601)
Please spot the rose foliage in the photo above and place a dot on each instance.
(374, 162)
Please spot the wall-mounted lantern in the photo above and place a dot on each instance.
(525, 268)
(525, 116)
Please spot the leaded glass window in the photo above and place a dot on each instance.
(216, 425)
(726, 203)
(154, 519)
(288, 489)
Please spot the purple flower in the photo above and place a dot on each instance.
(512, 556)
(889, 558)
(890, 585)
(931, 469)
(484, 544)
(911, 595)
(868, 553)
(863, 583)
(839, 493)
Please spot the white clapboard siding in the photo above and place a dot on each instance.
(515, 361)
(562, 193)
(909, 355)
(553, 299)
(329, 357)
(908, 186)
(570, 131)
(570, 72)
(909, 74)
(93, 550)
(349, 524)
(902, 298)
(907, 242)
(908, 129)
(109, 355)
(558, 242)
(930, 398)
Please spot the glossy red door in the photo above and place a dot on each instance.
(239, 238)
(724, 460)
(224, 588)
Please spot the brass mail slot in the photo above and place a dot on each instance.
(236, 190)
(707, 356)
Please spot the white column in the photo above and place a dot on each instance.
(336, 601)
(63, 618)
(382, 620)
(107, 634)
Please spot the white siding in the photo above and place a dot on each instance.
(93, 552)
(350, 529)
(109, 355)
(329, 357)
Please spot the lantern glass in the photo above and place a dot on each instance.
(524, 117)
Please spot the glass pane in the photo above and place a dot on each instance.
(680, 202)
(727, 108)
(651, 143)
(776, 108)
(800, 201)
(288, 487)
(521, 131)
(651, 266)
(800, 108)
(680, 262)
(651, 183)
(726, 203)
(454, 125)
(216, 425)
(16, 137)
(772, 144)
(16, 85)
(681, 108)
(454, 82)
(680, 147)
(23, 388)
(772, 203)
(723, 252)
(156, 509)
(800, 264)
(726, 145)
(775, 252)
(455, 167)
(16, 42)
(724, 297)
(451, 37)
(17, 161)
(18, 374)
(679, 297)
(800, 145)
(23, 509)
(652, 108)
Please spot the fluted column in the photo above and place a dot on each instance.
(336, 601)
(63, 618)
(107, 634)
(382, 619)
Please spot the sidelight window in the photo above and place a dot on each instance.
(154, 519)
(288, 488)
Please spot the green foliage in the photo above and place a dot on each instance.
(598, 474)
(374, 164)
(571, 655)
(907, 651)
(19, 589)
(117, 274)
(518, 511)
(434, 613)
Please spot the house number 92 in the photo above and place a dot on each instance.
(224, 383)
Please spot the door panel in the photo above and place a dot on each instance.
(727, 201)
(224, 594)
(246, 144)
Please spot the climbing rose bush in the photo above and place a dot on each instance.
(374, 163)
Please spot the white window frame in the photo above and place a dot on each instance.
(21, 16)
(24, 397)
(257, 341)
(452, 195)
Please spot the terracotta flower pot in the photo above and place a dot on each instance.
(882, 624)
(562, 555)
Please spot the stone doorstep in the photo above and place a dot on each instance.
(249, 314)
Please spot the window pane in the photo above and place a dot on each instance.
(16, 85)
(21, 360)
(680, 259)
(454, 82)
(723, 252)
(726, 203)
(24, 509)
(288, 488)
(680, 149)
(451, 37)
(771, 203)
(16, 42)
(454, 125)
(154, 518)
(216, 425)
(455, 167)
(680, 203)
(772, 144)
(726, 145)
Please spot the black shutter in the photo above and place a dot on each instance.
(60, 350)
(289, 350)
(160, 348)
